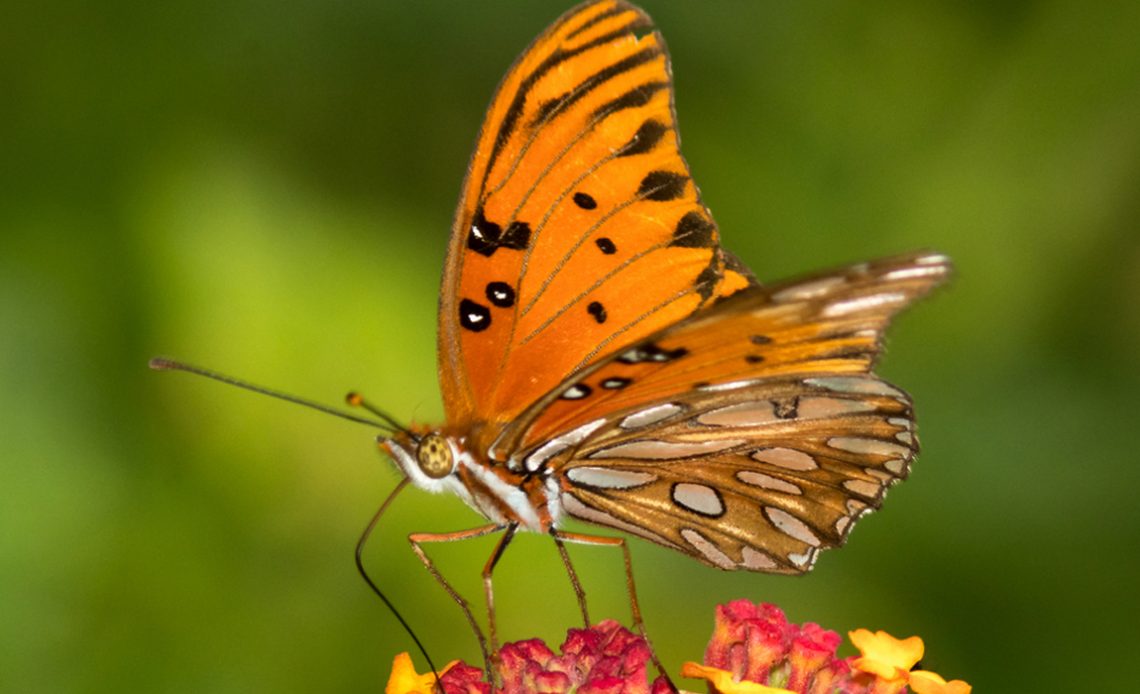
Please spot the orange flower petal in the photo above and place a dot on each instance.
(722, 682)
(404, 679)
(885, 656)
(925, 682)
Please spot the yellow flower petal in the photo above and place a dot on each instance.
(722, 682)
(925, 682)
(884, 655)
(404, 679)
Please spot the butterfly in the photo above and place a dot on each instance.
(603, 358)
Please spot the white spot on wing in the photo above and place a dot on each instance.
(821, 408)
(651, 449)
(932, 259)
(808, 290)
(787, 458)
(775, 484)
(855, 384)
(649, 416)
(699, 498)
(803, 561)
(609, 478)
(706, 547)
(863, 303)
(856, 507)
(757, 560)
(912, 272)
(791, 526)
(864, 488)
(731, 385)
(862, 446)
(560, 443)
(745, 414)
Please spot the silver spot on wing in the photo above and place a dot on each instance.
(744, 414)
(865, 446)
(699, 498)
(855, 384)
(791, 526)
(609, 478)
(787, 458)
(808, 290)
(757, 560)
(774, 484)
(652, 449)
(706, 547)
(863, 303)
(650, 415)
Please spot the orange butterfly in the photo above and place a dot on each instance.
(603, 358)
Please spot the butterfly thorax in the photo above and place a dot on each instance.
(440, 461)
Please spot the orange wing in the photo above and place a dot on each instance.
(579, 230)
(828, 324)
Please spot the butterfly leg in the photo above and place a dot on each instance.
(418, 539)
(488, 589)
(579, 592)
(600, 541)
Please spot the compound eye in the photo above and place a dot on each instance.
(434, 456)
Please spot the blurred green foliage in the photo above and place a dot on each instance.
(267, 188)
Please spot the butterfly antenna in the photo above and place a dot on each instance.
(164, 364)
(375, 589)
(357, 400)
(386, 423)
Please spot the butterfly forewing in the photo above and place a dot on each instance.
(579, 229)
(829, 323)
(750, 436)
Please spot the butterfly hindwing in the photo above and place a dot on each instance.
(579, 229)
(751, 435)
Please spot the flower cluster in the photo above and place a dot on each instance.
(754, 650)
(604, 659)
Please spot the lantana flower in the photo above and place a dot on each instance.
(755, 645)
(754, 649)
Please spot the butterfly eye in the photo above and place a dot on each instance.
(434, 456)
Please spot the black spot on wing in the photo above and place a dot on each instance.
(605, 245)
(585, 201)
(485, 237)
(635, 98)
(501, 294)
(706, 282)
(577, 392)
(662, 186)
(645, 139)
(694, 231)
(651, 352)
(474, 316)
(598, 311)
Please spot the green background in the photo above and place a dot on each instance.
(267, 188)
